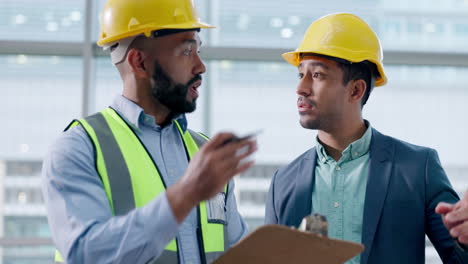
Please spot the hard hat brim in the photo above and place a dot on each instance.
(293, 58)
(148, 28)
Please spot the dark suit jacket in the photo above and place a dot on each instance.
(405, 184)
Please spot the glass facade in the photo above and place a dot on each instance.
(423, 104)
(42, 93)
(42, 20)
(401, 25)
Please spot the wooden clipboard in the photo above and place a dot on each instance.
(275, 244)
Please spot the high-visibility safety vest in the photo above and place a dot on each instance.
(131, 180)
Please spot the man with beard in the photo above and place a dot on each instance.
(118, 185)
(372, 188)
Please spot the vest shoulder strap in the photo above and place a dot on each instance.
(73, 123)
(199, 138)
(110, 163)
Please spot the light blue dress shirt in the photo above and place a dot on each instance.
(80, 217)
(340, 189)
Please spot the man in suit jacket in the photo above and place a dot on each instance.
(373, 189)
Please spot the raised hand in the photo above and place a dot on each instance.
(455, 218)
(209, 171)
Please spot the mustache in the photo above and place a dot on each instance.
(196, 78)
(303, 99)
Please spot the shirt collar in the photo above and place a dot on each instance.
(136, 117)
(355, 150)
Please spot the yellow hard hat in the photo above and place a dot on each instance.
(343, 36)
(126, 18)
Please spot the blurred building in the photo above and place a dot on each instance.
(52, 72)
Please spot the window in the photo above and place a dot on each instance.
(41, 20)
(41, 94)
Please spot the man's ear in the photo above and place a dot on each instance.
(136, 61)
(357, 90)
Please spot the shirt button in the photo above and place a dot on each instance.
(338, 168)
(336, 204)
(324, 159)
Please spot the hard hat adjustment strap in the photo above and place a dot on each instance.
(119, 49)
(169, 31)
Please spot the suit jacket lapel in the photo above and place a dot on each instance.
(381, 157)
(302, 200)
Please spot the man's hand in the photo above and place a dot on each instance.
(209, 171)
(455, 218)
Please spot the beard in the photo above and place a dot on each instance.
(311, 124)
(325, 121)
(305, 122)
(321, 121)
(171, 94)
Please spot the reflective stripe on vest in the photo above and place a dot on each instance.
(131, 179)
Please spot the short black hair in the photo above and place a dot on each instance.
(364, 70)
